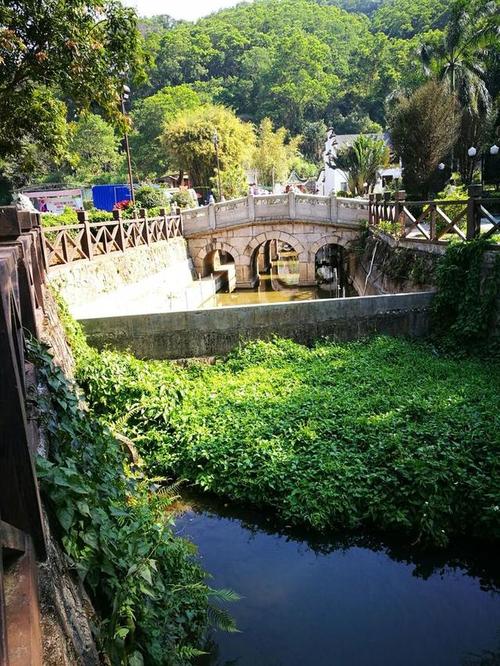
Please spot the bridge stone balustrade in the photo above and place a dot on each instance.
(240, 226)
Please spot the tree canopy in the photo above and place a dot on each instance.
(149, 118)
(424, 128)
(188, 140)
(50, 51)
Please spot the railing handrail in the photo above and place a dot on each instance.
(263, 207)
(432, 223)
(104, 237)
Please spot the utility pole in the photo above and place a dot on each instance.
(125, 95)
(216, 145)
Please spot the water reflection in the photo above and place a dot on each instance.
(344, 599)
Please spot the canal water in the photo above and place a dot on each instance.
(352, 601)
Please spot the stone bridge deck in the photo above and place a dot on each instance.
(240, 226)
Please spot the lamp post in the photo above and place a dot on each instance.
(215, 139)
(125, 96)
(472, 152)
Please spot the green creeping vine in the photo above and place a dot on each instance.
(116, 530)
(465, 304)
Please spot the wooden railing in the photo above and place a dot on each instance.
(437, 220)
(22, 540)
(86, 240)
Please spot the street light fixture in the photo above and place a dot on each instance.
(441, 166)
(215, 139)
(472, 152)
(125, 96)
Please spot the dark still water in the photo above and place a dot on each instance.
(354, 602)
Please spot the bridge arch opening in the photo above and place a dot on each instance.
(275, 265)
(221, 265)
(331, 271)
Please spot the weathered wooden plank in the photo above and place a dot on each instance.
(22, 610)
(9, 222)
(12, 538)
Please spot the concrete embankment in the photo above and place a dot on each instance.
(154, 278)
(216, 331)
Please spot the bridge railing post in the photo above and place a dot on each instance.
(291, 205)
(212, 219)
(251, 207)
(334, 208)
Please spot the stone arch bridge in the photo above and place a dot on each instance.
(241, 226)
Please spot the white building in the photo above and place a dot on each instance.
(334, 180)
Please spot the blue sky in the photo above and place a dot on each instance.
(189, 9)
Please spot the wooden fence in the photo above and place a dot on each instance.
(86, 240)
(22, 540)
(436, 221)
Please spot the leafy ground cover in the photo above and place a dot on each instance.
(115, 526)
(382, 433)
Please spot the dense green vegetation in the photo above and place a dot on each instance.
(300, 63)
(381, 433)
(116, 528)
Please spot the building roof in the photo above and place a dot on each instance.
(342, 140)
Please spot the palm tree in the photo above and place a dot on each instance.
(361, 162)
(460, 62)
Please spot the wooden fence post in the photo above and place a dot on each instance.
(399, 199)
(163, 213)
(83, 218)
(378, 199)
(371, 199)
(473, 212)
(120, 234)
(143, 214)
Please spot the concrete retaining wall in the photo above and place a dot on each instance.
(83, 281)
(216, 331)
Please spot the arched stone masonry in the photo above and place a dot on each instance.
(241, 241)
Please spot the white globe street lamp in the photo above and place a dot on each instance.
(441, 166)
(472, 152)
(494, 149)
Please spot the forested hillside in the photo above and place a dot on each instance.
(299, 60)
(301, 65)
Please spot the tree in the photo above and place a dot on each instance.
(95, 150)
(273, 155)
(149, 117)
(301, 80)
(423, 129)
(361, 162)
(461, 62)
(406, 18)
(313, 140)
(188, 140)
(77, 51)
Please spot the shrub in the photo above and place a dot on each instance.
(148, 196)
(184, 199)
